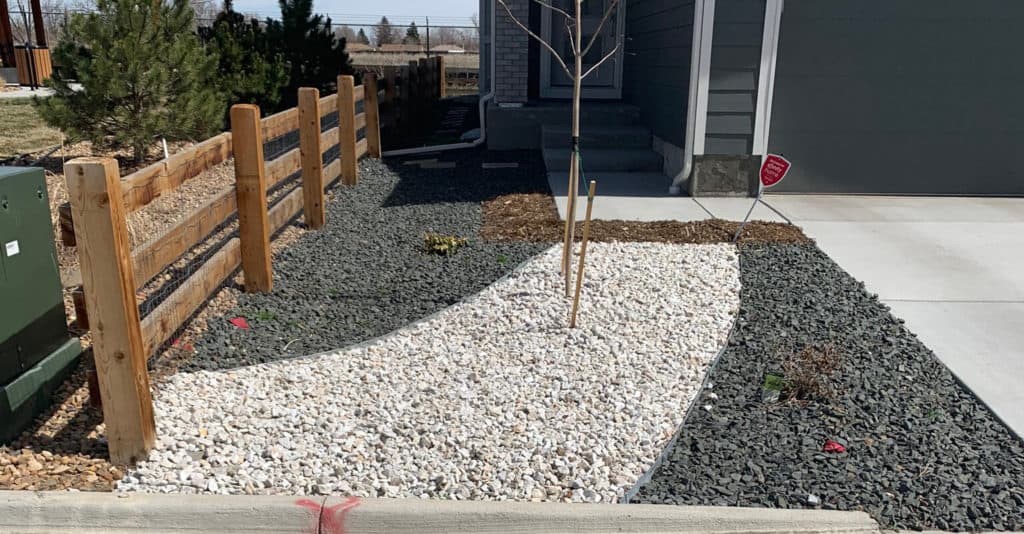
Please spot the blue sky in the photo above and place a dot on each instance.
(454, 12)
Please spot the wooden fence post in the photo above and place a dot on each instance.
(347, 129)
(426, 89)
(104, 252)
(371, 105)
(442, 89)
(312, 157)
(251, 191)
(415, 102)
(389, 91)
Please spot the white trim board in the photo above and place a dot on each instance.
(766, 79)
(706, 27)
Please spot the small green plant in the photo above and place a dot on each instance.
(445, 245)
(265, 316)
(503, 259)
(774, 383)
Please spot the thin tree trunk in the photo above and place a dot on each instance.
(570, 215)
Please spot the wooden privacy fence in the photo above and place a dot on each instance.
(409, 91)
(112, 273)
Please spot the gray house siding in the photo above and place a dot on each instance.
(656, 70)
(732, 90)
(915, 96)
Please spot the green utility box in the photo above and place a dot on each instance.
(36, 351)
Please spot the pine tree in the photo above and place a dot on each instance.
(250, 70)
(384, 33)
(143, 74)
(362, 38)
(314, 55)
(412, 35)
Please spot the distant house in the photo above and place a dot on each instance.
(862, 96)
(358, 48)
(446, 49)
(398, 48)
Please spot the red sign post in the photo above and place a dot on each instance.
(773, 170)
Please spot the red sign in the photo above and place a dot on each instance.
(773, 170)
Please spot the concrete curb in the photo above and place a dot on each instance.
(72, 512)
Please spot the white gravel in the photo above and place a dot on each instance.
(493, 398)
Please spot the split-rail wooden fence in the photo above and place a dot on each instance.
(112, 273)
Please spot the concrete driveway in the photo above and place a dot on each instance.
(953, 268)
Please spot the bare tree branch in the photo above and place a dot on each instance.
(569, 32)
(539, 40)
(555, 9)
(604, 19)
(605, 58)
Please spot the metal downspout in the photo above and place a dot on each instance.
(697, 86)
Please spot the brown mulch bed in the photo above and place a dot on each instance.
(533, 217)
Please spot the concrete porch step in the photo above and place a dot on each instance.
(600, 136)
(605, 159)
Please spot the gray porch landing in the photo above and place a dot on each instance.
(617, 153)
(621, 197)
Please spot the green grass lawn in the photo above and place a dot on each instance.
(22, 130)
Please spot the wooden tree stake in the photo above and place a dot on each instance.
(347, 129)
(104, 252)
(371, 104)
(312, 158)
(583, 254)
(251, 191)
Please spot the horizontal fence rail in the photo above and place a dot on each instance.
(112, 273)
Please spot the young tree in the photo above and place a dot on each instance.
(412, 35)
(250, 70)
(444, 35)
(573, 23)
(346, 33)
(315, 56)
(143, 74)
(362, 38)
(385, 33)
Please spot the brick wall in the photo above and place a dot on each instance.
(510, 53)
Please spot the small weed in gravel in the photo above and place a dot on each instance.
(808, 373)
(265, 316)
(445, 245)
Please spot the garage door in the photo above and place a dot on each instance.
(901, 96)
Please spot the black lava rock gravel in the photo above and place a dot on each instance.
(366, 274)
(922, 452)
